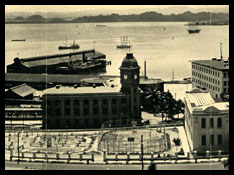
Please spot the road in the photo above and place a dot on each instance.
(57, 166)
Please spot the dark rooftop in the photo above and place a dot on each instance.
(49, 78)
(215, 63)
(58, 58)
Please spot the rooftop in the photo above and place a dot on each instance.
(49, 78)
(23, 90)
(202, 101)
(82, 90)
(215, 63)
(58, 58)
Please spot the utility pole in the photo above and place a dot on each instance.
(142, 153)
(18, 147)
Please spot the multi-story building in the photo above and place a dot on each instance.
(212, 75)
(206, 122)
(89, 107)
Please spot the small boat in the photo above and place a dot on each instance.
(124, 43)
(72, 46)
(98, 25)
(18, 40)
(193, 28)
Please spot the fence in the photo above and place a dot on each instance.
(49, 157)
(117, 157)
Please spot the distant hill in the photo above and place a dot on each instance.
(151, 16)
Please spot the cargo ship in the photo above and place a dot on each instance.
(72, 46)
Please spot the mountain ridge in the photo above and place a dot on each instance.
(148, 16)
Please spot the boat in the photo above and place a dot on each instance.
(193, 28)
(88, 66)
(18, 40)
(72, 46)
(124, 43)
(98, 25)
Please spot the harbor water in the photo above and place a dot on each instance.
(166, 46)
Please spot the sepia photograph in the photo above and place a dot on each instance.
(117, 87)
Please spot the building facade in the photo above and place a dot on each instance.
(206, 122)
(212, 75)
(90, 107)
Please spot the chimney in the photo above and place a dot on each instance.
(145, 69)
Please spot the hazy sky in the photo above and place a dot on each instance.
(74, 8)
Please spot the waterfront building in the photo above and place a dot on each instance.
(212, 75)
(90, 107)
(206, 122)
(70, 63)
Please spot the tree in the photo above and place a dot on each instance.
(177, 142)
(154, 101)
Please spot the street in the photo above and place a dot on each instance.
(57, 166)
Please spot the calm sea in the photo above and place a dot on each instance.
(163, 50)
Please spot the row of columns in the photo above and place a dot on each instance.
(90, 108)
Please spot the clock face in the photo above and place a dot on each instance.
(125, 77)
(135, 76)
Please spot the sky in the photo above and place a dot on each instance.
(75, 8)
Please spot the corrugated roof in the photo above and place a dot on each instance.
(23, 90)
(217, 63)
(200, 101)
(197, 97)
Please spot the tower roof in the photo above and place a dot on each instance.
(129, 61)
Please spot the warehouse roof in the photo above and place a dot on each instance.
(56, 59)
(49, 78)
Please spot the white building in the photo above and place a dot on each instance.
(206, 122)
(212, 75)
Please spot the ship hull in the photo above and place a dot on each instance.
(64, 47)
(194, 31)
(123, 46)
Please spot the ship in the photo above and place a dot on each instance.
(87, 64)
(18, 40)
(72, 46)
(124, 43)
(193, 28)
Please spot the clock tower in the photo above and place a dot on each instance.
(129, 78)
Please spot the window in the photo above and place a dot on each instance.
(203, 123)
(114, 101)
(203, 140)
(219, 122)
(67, 111)
(224, 83)
(212, 139)
(123, 100)
(211, 123)
(224, 75)
(219, 139)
